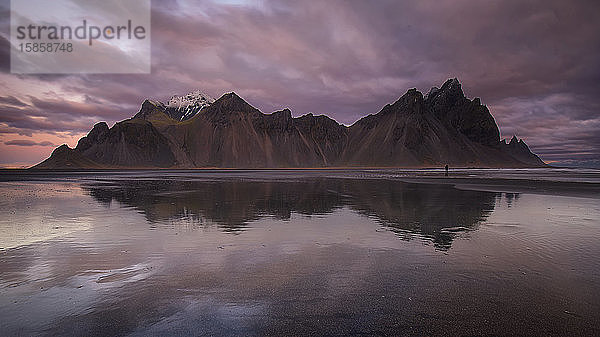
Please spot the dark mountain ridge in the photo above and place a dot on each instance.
(442, 127)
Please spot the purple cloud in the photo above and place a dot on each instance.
(26, 142)
(11, 101)
(533, 63)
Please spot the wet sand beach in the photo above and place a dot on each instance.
(300, 252)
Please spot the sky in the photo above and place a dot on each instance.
(535, 64)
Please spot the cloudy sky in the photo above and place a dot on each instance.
(535, 64)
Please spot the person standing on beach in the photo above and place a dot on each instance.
(446, 170)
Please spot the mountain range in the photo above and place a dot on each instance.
(194, 131)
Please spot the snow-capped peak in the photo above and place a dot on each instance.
(187, 106)
(194, 98)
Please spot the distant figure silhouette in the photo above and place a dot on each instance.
(446, 170)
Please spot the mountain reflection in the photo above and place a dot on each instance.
(435, 212)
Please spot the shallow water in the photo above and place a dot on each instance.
(296, 253)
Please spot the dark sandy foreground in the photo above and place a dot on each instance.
(320, 252)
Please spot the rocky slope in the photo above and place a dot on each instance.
(442, 127)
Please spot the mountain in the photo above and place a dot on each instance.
(442, 127)
(517, 149)
(185, 107)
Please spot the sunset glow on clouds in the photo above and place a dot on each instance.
(535, 64)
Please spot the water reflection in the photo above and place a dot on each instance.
(310, 256)
(510, 198)
(435, 212)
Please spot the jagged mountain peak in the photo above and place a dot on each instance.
(231, 97)
(95, 135)
(287, 113)
(231, 94)
(519, 150)
(431, 93)
(448, 95)
(409, 103)
(61, 149)
(412, 96)
(187, 106)
(414, 131)
(451, 85)
(148, 107)
(100, 127)
(452, 82)
(231, 102)
(196, 97)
